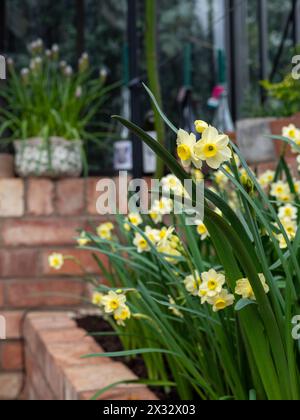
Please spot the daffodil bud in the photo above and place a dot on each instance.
(10, 64)
(247, 183)
(84, 63)
(103, 75)
(200, 126)
(25, 75)
(55, 51)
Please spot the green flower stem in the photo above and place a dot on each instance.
(153, 76)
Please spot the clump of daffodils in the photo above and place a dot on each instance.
(287, 213)
(113, 303)
(209, 286)
(213, 148)
(56, 261)
(164, 240)
(105, 230)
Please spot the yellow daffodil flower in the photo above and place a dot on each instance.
(212, 283)
(104, 231)
(280, 189)
(202, 230)
(122, 314)
(97, 299)
(213, 148)
(266, 179)
(244, 288)
(83, 240)
(141, 243)
(113, 301)
(192, 283)
(56, 261)
(221, 301)
(135, 219)
(288, 212)
(185, 149)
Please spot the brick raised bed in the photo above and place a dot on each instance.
(55, 371)
(38, 216)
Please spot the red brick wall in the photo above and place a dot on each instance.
(37, 217)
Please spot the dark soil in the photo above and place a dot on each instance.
(94, 324)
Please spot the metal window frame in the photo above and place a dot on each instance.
(237, 53)
(135, 84)
(296, 21)
(262, 11)
(2, 25)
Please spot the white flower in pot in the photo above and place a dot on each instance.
(49, 111)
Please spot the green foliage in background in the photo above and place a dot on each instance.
(286, 94)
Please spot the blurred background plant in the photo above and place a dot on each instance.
(49, 98)
(284, 96)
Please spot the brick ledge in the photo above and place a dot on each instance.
(55, 370)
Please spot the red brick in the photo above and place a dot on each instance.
(36, 380)
(70, 198)
(70, 354)
(40, 197)
(33, 294)
(10, 385)
(49, 321)
(54, 347)
(63, 335)
(11, 197)
(18, 263)
(11, 355)
(83, 379)
(93, 195)
(40, 323)
(13, 323)
(71, 267)
(59, 356)
(40, 232)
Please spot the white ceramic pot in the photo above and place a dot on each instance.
(55, 158)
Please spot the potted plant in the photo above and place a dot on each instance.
(50, 112)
